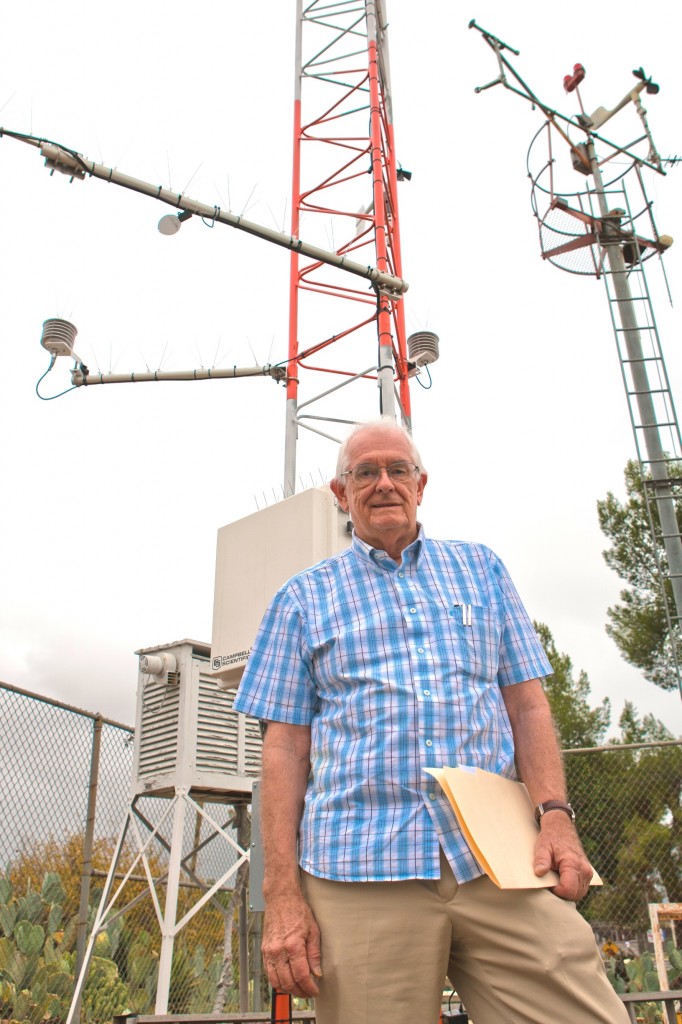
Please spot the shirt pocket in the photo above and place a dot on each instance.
(475, 632)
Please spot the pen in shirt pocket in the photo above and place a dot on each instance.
(466, 613)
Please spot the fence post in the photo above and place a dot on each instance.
(88, 843)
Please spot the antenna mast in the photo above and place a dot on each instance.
(344, 189)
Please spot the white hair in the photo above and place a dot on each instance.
(387, 425)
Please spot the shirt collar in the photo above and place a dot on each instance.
(410, 556)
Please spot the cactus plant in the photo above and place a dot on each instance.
(640, 975)
(675, 963)
(105, 994)
(37, 960)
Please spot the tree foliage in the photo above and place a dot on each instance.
(638, 624)
(63, 856)
(628, 801)
(578, 725)
(646, 856)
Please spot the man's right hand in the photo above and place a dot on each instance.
(291, 945)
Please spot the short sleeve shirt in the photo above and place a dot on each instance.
(395, 668)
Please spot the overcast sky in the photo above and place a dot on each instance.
(112, 496)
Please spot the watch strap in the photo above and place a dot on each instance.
(554, 805)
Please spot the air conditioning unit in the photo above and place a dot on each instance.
(255, 556)
(187, 735)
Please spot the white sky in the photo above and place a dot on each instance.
(112, 496)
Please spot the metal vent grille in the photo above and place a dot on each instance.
(253, 748)
(227, 742)
(158, 729)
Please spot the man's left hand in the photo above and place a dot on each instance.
(558, 847)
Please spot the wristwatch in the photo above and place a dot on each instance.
(554, 805)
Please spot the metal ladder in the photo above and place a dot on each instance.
(650, 401)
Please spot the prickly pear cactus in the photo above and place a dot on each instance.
(37, 960)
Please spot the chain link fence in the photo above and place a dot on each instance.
(630, 821)
(66, 797)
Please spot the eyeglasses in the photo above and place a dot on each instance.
(366, 473)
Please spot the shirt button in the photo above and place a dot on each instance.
(429, 743)
(432, 796)
(401, 574)
(420, 650)
(413, 610)
(427, 693)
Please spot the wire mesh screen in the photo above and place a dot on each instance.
(630, 821)
(42, 743)
(66, 810)
(47, 760)
(629, 812)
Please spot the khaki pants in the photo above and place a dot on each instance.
(515, 956)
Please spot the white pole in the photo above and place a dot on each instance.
(171, 908)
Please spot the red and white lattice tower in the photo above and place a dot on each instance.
(344, 197)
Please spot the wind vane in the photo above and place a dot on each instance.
(592, 227)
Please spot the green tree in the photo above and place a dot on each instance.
(634, 729)
(578, 725)
(646, 859)
(590, 780)
(627, 800)
(638, 625)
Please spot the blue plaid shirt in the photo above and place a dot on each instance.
(395, 668)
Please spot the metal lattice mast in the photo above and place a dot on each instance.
(595, 231)
(344, 190)
(650, 400)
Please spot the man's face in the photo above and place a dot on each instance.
(384, 512)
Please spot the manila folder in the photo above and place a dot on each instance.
(497, 819)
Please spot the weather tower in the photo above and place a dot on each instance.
(595, 218)
(344, 195)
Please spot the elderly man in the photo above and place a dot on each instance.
(399, 654)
